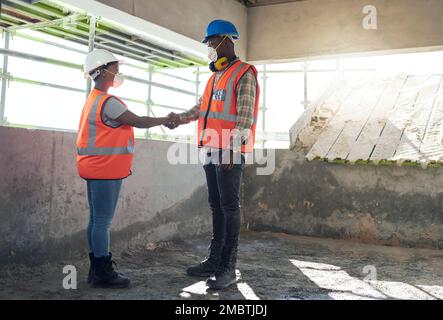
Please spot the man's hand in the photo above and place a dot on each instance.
(173, 121)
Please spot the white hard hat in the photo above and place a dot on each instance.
(98, 58)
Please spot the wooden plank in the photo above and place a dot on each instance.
(365, 143)
(320, 117)
(333, 101)
(396, 120)
(356, 119)
(305, 119)
(431, 148)
(417, 121)
(335, 126)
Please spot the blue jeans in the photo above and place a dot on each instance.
(102, 198)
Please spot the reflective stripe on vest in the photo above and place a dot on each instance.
(91, 150)
(226, 115)
(222, 116)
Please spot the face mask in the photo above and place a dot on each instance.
(118, 79)
(212, 53)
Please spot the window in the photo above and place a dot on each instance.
(284, 103)
(47, 87)
(49, 91)
(42, 106)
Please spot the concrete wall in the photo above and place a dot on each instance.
(43, 204)
(303, 28)
(44, 211)
(319, 27)
(388, 205)
(188, 17)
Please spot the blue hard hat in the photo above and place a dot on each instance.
(220, 28)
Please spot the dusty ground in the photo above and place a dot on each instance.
(272, 266)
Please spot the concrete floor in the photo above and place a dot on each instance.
(272, 266)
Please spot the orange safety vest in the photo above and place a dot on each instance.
(218, 110)
(103, 152)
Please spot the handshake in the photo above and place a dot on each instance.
(173, 121)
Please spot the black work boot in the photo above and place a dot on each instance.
(207, 267)
(225, 274)
(104, 275)
(91, 267)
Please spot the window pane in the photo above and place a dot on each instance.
(259, 67)
(187, 73)
(173, 82)
(322, 64)
(44, 72)
(131, 90)
(133, 67)
(284, 98)
(272, 144)
(140, 110)
(183, 130)
(318, 82)
(285, 66)
(21, 44)
(204, 78)
(172, 98)
(43, 106)
(358, 63)
(409, 63)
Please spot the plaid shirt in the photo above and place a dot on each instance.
(246, 92)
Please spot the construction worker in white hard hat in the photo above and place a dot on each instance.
(105, 146)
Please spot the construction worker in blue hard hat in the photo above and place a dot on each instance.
(228, 108)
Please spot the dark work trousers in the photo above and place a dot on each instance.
(224, 200)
